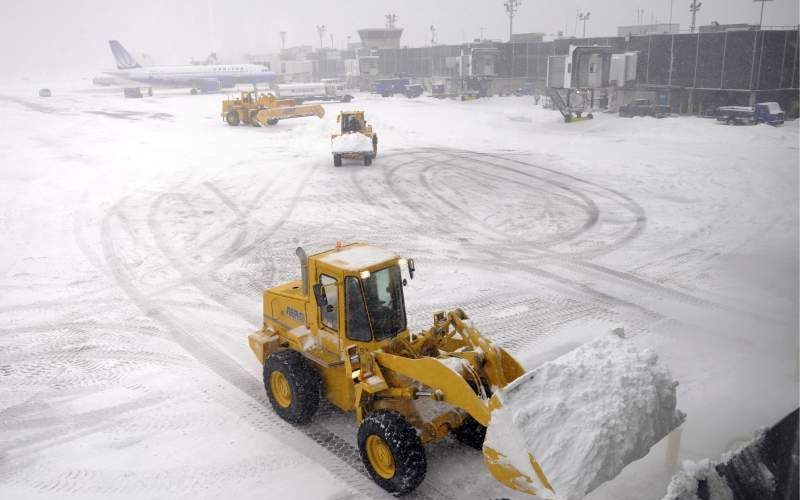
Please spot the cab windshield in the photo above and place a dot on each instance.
(381, 294)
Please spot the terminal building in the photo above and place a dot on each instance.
(647, 29)
(690, 72)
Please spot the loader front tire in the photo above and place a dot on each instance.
(367, 160)
(471, 433)
(292, 385)
(337, 160)
(392, 452)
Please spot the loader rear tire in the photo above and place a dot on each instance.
(232, 118)
(367, 160)
(292, 385)
(392, 452)
(471, 433)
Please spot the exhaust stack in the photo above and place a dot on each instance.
(303, 269)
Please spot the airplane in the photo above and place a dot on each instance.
(199, 77)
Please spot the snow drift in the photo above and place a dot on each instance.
(351, 143)
(584, 416)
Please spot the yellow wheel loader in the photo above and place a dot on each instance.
(355, 139)
(340, 332)
(264, 109)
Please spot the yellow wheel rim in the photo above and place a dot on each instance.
(280, 389)
(380, 457)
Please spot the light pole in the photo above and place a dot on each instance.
(512, 6)
(670, 15)
(321, 29)
(584, 16)
(761, 19)
(694, 7)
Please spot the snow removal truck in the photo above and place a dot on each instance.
(265, 109)
(340, 332)
(355, 139)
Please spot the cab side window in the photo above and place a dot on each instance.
(329, 314)
(357, 322)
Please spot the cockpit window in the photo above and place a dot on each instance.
(357, 321)
(383, 291)
(384, 315)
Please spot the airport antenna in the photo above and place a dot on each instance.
(512, 6)
(283, 40)
(391, 21)
(433, 35)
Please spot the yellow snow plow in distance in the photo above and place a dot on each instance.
(265, 109)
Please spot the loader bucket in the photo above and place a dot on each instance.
(516, 468)
(573, 423)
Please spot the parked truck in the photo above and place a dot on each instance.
(390, 86)
(763, 112)
(643, 107)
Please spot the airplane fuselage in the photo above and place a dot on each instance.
(205, 77)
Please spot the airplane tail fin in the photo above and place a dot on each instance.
(124, 59)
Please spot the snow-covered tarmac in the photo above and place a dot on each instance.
(138, 236)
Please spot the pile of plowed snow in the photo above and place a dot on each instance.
(351, 143)
(585, 416)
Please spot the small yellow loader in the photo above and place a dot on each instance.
(341, 332)
(355, 139)
(265, 109)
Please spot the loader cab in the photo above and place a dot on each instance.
(358, 292)
(351, 122)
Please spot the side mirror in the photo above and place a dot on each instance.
(411, 268)
(319, 295)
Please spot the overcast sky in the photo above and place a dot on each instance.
(40, 37)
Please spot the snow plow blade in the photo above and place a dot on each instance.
(271, 115)
(563, 429)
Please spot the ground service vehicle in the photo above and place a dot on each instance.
(355, 140)
(302, 92)
(643, 107)
(390, 86)
(736, 115)
(340, 331)
(570, 113)
(264, 109)
(768, 112)
(438, 90)
(413, 90)
(137, 92)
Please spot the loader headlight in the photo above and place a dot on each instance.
(364, 275)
